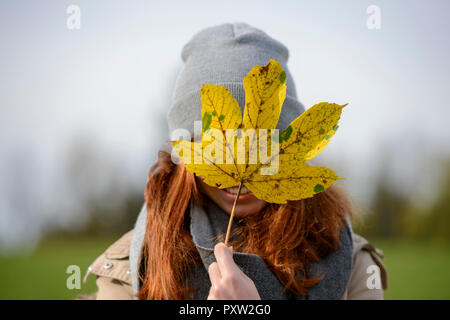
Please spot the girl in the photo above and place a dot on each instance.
(300, 250)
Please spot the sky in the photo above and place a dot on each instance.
(97, 96)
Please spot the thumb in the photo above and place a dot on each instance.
(224, 257)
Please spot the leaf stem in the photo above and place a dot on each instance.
(232, 214)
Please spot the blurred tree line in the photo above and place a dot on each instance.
(392, 214)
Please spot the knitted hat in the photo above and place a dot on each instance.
(223, 55)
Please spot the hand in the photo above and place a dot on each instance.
(228, 282)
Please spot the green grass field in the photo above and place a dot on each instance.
(417, 270)
(42, 274)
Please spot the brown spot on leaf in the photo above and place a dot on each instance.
(265, 69)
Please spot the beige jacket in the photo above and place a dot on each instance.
(368, 279)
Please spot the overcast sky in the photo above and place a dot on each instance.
(107, 87)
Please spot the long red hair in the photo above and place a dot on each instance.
(287, 237)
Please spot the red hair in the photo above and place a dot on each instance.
(287, 237)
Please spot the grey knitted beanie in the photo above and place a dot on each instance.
(223, 55)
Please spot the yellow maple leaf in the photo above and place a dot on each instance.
(250, 151)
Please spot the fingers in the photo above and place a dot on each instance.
(215, 277)
(224, 257)
(214, 273)
(227, 280)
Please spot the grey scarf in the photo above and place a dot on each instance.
(209, 222)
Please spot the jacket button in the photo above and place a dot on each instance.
(128, 271)
(108, 265)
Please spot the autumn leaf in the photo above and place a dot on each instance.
(249, 151)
